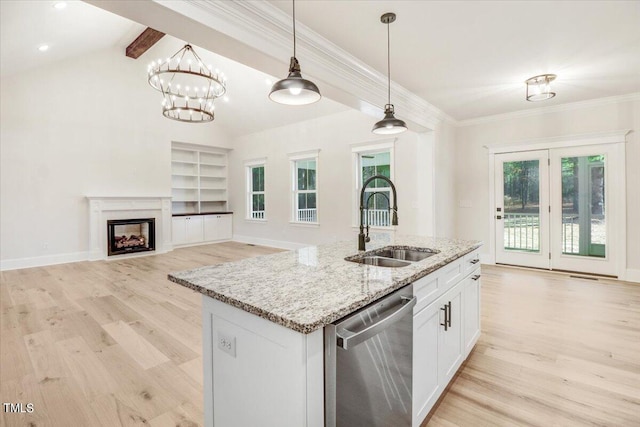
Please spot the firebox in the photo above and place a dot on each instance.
(125, 236)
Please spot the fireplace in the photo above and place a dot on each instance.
(125, 236)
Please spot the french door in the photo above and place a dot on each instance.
(522, 208)
(555, 208)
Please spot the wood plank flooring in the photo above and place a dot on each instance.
(116, 344)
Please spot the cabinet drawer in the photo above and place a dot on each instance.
(426, 290)
(471, 261)
(430, 287)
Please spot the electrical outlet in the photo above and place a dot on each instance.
(227, 343)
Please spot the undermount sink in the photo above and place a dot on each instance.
(382, 262)
(390, 256)
(412, 255)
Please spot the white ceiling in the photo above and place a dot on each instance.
(81, 28)
(470, 58)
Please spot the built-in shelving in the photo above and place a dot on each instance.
(198, 179)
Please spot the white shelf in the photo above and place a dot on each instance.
(199, 178)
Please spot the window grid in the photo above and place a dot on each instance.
(377, 197)
(256, 192)
(305, 191)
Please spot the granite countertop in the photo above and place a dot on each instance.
(309, 288)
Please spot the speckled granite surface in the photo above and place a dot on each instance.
(308, 288)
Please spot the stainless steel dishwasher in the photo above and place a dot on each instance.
(368, 364)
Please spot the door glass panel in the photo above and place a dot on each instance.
(584, 230)
(522, 205)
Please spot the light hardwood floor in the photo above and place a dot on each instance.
(115, 343)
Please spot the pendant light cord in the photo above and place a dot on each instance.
(294, 28)
(388, 65)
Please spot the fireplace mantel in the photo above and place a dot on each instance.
(104, 208)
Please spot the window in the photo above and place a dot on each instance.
(378, 199)
(305, 188)
(255, 190)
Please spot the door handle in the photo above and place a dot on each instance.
(449, 311)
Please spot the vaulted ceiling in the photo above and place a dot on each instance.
(467, 58)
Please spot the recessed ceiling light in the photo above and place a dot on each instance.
(43, 48)
(226, 99)
(268, 82)
(60, 5)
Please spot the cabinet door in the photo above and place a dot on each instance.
(471, 300)
(426, 388)
(194, 229)
(225, 227)
(211, 227)
(179, 230)
(450, 349)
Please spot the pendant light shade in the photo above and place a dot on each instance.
(294, 90)
(389, 125)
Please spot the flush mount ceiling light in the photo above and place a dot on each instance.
(43, 47)
(188, 86)
(294, 90)
(389, 125)
(60, 5)
(539, 87)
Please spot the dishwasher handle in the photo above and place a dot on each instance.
(347, 339)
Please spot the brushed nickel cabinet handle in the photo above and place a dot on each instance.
(449, 313)
(475, 261)
(476, 277)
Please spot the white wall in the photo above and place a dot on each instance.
(84, 126)
(472, 180)
(445, 180)
(333, 135)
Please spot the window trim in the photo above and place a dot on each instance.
(248, 207)
(293, 159)
(357, 150)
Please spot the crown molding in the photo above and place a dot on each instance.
(551, 109)
(266, 28)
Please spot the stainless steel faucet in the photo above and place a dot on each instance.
(362, 237)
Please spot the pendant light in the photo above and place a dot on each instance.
(294, 90)
(389, 125)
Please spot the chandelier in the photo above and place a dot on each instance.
(188, 86)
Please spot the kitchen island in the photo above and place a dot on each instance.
(263, 321)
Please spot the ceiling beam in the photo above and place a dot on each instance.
(143, 42)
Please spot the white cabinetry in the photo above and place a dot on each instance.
(446, 326)
(195, 229)
(258, 373)
(218, 227)
(198, 178)
(187, 229)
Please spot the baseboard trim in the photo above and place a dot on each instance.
(632, 275)
(280, 244)
(41, 261)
